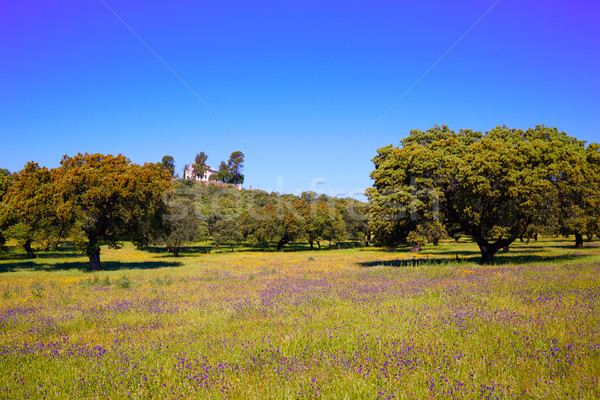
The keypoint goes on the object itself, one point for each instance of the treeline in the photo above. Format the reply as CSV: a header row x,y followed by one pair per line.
x,y
94,200
228,216
494,187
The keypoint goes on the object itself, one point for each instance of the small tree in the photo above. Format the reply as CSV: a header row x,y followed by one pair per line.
x,y
199,166
29,209
181,225
236,164
316,217
168,163
335,228
227,232
224,174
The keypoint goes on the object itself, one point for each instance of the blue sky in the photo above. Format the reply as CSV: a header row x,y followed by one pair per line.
x,y
294,85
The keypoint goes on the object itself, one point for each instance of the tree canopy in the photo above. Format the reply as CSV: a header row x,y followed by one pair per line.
x,y
236,164
28,213
107,199
168,163
490,186
200,166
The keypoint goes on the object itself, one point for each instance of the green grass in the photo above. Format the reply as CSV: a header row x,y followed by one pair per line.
x,y
353,323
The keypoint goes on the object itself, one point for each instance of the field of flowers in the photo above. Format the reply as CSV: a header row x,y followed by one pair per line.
x,y
360,323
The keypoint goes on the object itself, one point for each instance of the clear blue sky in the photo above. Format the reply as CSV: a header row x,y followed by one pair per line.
x,y
299,82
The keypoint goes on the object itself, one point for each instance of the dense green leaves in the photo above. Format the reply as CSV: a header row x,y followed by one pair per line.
x,y
492,187
107,199
257,217
231,172
236,164
168,163
199,166
28,212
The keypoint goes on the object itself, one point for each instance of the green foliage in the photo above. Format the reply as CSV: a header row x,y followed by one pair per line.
x,y
236,164
6,179
262,218
95,281
168,163
227,232
164,280
200,167
231,172
579,193
106,199
491,187
28,211
224,175
181,224
123,282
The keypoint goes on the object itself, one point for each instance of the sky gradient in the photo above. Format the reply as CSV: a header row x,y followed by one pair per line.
x,y
294,85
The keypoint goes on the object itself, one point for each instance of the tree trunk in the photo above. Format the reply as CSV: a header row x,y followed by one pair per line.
x,y
521,238
28,249
590,237
94,256
175,251
528,239
535,237
217,245
169,248
489,250
232,248
578,240
319,244
506,249
311,244
282,243
456,239
339,245
436,242
416,247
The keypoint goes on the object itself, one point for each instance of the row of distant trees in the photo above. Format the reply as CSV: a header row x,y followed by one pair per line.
x,y
95,199
494,187
228,216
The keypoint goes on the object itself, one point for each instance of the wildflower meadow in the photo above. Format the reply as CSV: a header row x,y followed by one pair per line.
x,y
355,323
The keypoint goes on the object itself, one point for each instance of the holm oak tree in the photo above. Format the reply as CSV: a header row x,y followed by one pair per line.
x,y
107,199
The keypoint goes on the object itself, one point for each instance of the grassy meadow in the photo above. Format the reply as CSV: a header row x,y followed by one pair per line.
x,y
352,323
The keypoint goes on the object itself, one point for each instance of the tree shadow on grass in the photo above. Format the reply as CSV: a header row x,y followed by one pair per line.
x,y
183,250
498,260
250,248
84,266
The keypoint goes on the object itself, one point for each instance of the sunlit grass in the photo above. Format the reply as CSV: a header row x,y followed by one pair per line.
x,y
354,323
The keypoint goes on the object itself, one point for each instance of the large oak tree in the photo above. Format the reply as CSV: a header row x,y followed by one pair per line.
x,y
491,186
107,199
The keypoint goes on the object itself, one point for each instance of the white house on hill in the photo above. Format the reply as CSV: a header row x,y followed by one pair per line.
x,y
188,173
